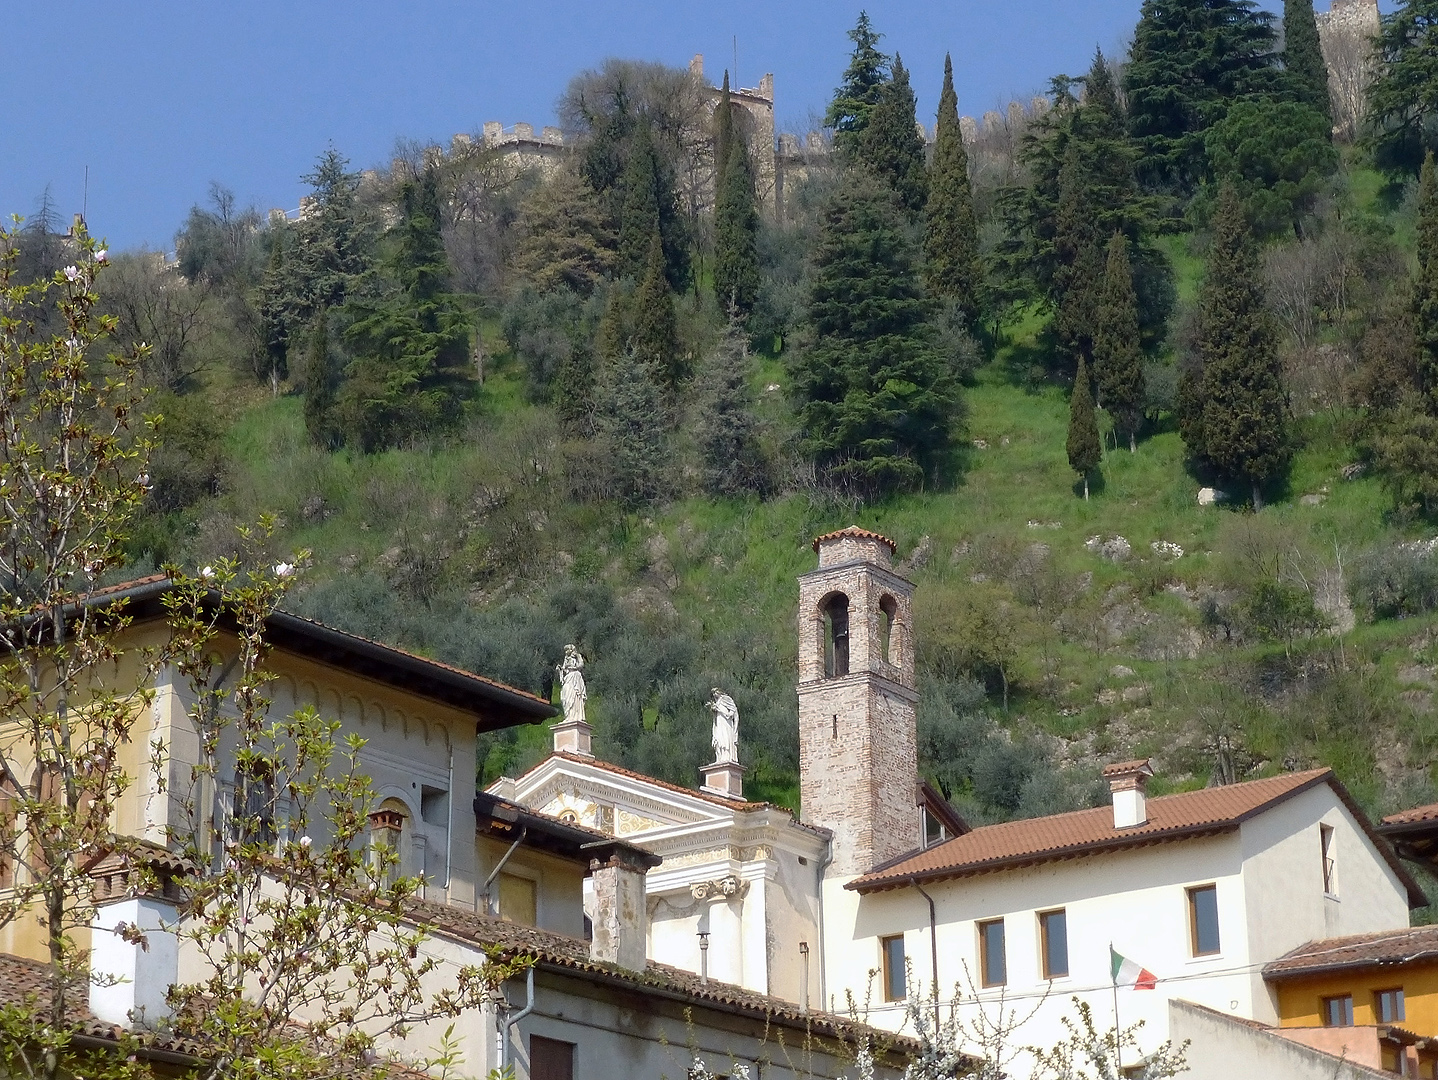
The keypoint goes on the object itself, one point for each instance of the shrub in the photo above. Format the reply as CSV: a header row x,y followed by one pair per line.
x,y
1397,581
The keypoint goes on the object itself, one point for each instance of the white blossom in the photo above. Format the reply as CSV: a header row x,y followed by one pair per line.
x,y
305,842
284,570
72,273
207,573
102,255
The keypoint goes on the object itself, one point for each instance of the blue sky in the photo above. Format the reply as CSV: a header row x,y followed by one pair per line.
x,y
160,98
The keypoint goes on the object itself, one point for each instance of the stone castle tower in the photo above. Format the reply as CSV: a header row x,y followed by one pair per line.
x,y
858,756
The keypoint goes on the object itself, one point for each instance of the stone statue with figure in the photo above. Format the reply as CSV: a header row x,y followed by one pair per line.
x,y
572,693
726,728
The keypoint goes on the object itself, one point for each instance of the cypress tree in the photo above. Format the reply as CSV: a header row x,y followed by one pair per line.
x,y
321,381
878,407
1083,447
1079,260
951,240
1244,426
655,334
639,214
633,430
276,314
890,143
864,79
1303,57
723,131
1117,356
1425,287
725,427
736,221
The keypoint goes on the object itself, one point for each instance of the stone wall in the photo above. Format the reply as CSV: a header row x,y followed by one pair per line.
x,y
754,108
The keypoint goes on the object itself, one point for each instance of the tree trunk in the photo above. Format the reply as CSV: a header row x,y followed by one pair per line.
x,y
1132,442
1257,498
1085,487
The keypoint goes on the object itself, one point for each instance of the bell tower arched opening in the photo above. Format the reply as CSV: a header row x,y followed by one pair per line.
x,y
835,609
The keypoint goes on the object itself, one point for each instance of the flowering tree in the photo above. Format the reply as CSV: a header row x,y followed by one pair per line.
x,y
313,953
73,447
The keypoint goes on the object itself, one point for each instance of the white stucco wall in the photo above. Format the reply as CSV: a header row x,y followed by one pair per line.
x,y
1136,900
1283,872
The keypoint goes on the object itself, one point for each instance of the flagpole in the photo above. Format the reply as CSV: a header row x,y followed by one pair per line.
x,y
1117,1030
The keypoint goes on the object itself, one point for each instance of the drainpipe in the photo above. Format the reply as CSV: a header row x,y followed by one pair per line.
x,y
514,1020
523,832
804,976
933,945
449,824
823,973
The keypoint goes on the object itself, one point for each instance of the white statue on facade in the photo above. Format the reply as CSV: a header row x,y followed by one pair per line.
x,y
726,728
572,693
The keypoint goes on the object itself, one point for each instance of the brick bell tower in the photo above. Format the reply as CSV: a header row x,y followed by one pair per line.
x,y
858,755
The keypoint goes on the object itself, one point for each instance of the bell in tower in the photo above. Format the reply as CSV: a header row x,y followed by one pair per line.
x,y
858,756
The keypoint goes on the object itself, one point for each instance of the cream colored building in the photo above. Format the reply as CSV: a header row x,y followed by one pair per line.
x,y
495,874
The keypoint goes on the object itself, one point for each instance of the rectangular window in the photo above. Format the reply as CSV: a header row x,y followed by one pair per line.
x,y
1388,1006
1054,935
1325,841
517,900
550,1059
993,962
934,831
895,978
1338,1011
1203,920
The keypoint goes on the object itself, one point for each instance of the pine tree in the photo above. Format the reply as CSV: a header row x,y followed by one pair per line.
x,y
877,406
1303,57
1425,286
736,216
863,85
1083,447
321,381
951,242
574,389
1117,355
1244,427
639,215
411,344
890,143
725,427
1189,59
655,330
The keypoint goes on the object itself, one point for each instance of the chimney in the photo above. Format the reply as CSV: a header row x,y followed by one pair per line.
x,y
621,914
129,980
1128,780
573,737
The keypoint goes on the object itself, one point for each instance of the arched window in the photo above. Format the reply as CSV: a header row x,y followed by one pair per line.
x,y
836,635
888,615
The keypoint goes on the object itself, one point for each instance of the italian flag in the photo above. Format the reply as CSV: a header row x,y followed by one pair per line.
x,y
1131,976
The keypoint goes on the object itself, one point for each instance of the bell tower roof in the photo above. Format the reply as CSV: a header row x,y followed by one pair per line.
x,y
856,533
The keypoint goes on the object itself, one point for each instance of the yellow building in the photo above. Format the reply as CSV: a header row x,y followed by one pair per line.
x,y
1371,997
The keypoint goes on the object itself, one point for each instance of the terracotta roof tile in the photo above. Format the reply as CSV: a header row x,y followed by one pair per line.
x,y
1089,832
857,533
1416,816
1383,949
561,951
